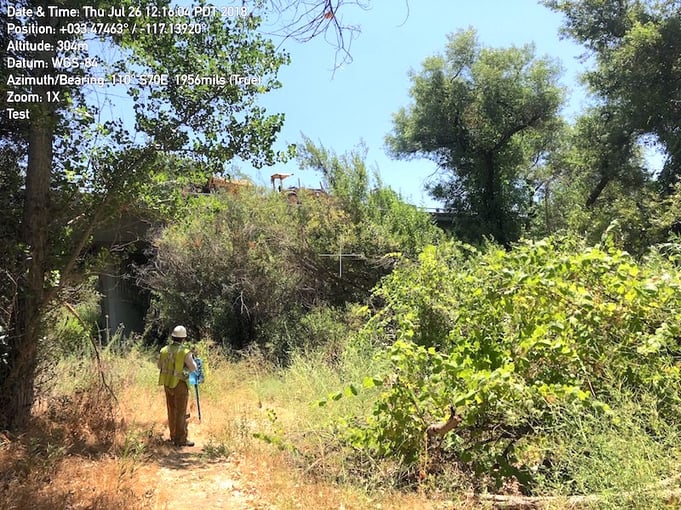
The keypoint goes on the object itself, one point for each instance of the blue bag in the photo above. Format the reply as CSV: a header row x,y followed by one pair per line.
x,y
196,377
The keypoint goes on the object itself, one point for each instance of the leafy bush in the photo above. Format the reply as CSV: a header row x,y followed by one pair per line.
x,y
71,329
382,222
248,267
224,266
510,338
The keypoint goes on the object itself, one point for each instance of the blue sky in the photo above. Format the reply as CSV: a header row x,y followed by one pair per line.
x,y
358,100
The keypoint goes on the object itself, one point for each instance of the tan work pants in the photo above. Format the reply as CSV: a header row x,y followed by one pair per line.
x,y
176,402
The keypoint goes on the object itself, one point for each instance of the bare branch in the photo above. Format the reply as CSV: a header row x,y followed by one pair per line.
x,y
304,20
440,429
95,348
406,4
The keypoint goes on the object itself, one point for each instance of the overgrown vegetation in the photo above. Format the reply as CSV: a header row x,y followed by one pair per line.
x,y
551,336
254,267
345,335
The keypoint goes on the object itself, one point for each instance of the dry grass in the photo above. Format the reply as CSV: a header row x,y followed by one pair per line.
x,y
88,450
292,488
85,451
67,457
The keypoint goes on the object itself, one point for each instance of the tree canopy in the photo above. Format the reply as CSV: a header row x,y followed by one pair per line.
x,y
485,116
83,165
636,45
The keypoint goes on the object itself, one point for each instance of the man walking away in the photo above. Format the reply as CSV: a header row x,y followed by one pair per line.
x,y
176,362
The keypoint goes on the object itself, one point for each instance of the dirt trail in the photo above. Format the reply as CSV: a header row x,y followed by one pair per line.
x,y
181,478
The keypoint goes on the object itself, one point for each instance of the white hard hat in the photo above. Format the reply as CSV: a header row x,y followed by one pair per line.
x,y
180,332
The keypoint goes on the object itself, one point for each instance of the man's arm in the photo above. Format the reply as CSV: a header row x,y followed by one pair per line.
x,y
189,362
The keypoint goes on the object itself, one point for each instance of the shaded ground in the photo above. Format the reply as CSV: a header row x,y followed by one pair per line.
x,y
180,478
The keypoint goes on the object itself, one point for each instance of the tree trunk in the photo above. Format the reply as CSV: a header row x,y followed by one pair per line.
x,y
16,390
596,192
493,212
17,384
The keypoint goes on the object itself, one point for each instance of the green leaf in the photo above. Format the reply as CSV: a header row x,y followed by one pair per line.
x,y
370,382
351,390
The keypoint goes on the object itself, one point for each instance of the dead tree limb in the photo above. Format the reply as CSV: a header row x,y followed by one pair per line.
x,y
440,429
100,368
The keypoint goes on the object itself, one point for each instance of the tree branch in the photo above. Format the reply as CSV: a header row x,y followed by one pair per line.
x,y
440,429
100,369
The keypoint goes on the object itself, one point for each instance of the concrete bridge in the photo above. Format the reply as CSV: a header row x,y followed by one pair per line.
x,y
124,304
444,218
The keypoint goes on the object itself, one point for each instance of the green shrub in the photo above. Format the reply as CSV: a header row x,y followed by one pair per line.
x,y
511,338
250,267
72,326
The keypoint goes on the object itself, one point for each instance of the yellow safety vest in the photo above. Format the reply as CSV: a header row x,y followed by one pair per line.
x,y
172,365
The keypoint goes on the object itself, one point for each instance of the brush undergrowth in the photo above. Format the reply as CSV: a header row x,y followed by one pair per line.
x,y
623,462
71,453
253,409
